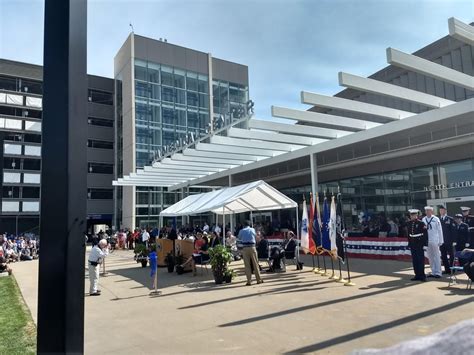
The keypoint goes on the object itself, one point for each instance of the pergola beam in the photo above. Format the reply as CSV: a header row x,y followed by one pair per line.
x,y
198,164
236,150
461,31
298,129
172,168
322,119
398,92
273,137
257,144
431,69
340,103
179,157
199,153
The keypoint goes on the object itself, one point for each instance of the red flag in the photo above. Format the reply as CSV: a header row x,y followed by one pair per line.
x,y
312,245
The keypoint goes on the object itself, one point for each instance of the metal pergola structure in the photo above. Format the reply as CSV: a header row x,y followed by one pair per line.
x,y
265,143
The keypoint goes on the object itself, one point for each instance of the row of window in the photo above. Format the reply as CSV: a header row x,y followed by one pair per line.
x,y
22,85
22,137
21,178
102,122
93,143
100,97
21,100
100,194
21,149
167,76
21,164
171,95
20,192
20,206
20,112
100,168
19,125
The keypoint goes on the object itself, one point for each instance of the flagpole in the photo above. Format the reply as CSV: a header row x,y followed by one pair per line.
x,y
340,279
325,272
155,291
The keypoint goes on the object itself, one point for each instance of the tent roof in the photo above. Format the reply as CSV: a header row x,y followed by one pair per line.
x,y
255,196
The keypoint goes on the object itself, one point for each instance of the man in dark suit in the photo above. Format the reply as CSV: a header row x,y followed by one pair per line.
x,y
448,225
417,241
262,246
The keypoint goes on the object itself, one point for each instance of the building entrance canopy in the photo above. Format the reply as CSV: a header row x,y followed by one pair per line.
x,y
255,196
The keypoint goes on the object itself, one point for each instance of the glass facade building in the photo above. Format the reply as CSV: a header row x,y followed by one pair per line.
x,y
391,194
166,92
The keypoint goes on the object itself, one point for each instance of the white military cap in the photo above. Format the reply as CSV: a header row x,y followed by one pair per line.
x,y
413,211
428,208
464,209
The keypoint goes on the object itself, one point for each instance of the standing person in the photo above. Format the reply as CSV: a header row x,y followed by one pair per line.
x,y
206,227
448,225
435,240
96,257
249,253
417,240
469,220
145,237
217,230
461,233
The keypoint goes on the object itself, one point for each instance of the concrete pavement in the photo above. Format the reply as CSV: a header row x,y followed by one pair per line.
x,y
290,312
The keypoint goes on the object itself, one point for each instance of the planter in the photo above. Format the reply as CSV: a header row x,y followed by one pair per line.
x,y
144,262
228,279
170,268
218,278
179,269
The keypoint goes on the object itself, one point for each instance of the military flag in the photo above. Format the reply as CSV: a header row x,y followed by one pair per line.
x,y
326,241
333,228
304,229
312,244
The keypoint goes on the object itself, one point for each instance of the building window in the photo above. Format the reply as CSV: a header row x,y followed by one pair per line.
x,y
31,164
100,122
30,192
32,138
30,206
11,192
13,178
8,83
11,163
100,194
91,143
33,126
32,150
32,86
31,178
100,168
10,206
100,97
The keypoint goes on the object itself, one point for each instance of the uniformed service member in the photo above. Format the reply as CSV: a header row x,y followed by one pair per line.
x,y
469,220
435,240
417,240
461,233
96,257
448,225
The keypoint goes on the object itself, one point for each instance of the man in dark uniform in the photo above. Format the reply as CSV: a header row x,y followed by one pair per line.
x,y
461,233
417,240
448,225
469,220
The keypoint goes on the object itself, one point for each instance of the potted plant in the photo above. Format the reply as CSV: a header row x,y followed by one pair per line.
x,y
220,258
229,275
141,254
170,262
179,259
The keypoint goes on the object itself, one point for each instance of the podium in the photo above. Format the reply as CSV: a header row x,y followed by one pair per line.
x,y
163,246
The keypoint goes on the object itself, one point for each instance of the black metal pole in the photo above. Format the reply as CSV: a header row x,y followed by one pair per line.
x,y
63,179
332,267
324,264
349,282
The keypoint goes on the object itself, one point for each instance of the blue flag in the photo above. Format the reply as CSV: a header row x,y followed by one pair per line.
x,y
326,241
316,226
153,263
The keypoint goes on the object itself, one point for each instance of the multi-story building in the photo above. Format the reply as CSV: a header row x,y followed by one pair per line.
x,y
163,93
21,93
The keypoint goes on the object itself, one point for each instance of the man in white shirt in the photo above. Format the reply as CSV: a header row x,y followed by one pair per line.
x,y
96,257
217,230
435,240
145,237
206,227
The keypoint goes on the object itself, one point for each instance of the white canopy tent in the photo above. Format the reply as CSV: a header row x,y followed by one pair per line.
x,y
254,196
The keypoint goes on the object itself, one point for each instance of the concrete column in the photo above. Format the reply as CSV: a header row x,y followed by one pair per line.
x,y
232,216
314,174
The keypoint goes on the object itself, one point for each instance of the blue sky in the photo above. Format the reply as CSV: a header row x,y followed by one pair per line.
x,y
289,46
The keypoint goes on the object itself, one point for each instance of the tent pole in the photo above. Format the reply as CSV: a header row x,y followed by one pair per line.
x,y
223,227
297,237
251,219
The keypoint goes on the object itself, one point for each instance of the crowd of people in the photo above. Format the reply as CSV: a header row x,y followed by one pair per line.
x,y
17,248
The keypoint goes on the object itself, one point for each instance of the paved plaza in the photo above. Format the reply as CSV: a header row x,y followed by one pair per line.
x,y
296,311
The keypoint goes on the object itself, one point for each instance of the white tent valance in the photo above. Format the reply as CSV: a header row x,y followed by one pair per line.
x,y
255,196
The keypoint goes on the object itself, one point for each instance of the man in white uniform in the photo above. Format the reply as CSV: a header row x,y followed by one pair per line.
x,y
145,237
435,240
96,256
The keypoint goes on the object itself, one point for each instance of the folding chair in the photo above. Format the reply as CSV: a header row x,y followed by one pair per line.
x,y
453,280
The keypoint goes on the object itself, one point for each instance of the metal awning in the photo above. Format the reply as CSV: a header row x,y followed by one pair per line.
x,y
265,143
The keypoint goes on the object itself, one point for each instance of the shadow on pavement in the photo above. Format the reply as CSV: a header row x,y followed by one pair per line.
x,y
378,328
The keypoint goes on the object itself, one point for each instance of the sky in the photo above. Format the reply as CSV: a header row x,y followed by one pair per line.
x,y
289,46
